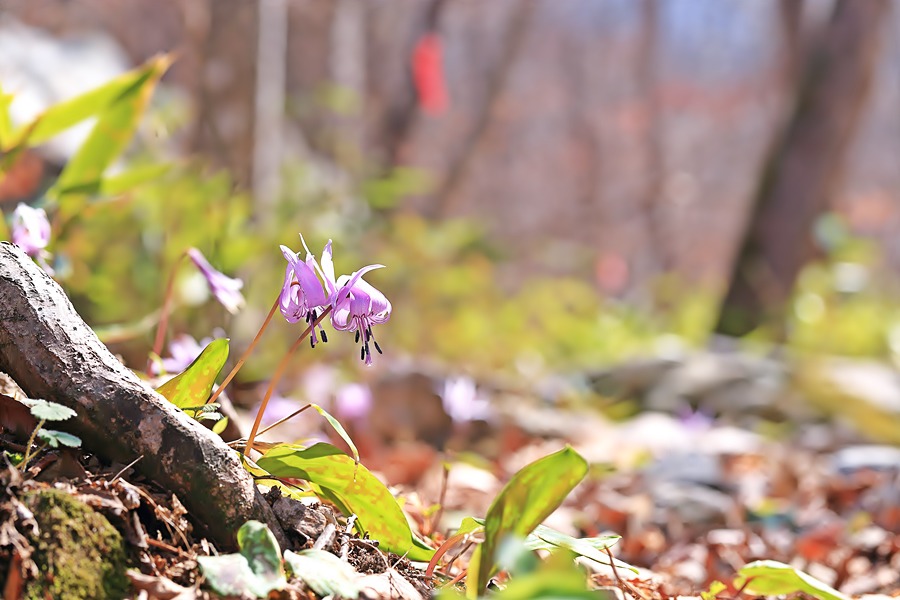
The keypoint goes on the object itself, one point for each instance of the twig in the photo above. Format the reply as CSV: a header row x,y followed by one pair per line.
x,y
167,547
622,583
164,313
326,538
280,421
345,545
436,521
125,468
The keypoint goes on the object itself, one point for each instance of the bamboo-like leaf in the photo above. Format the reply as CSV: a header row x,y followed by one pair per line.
x,y
377,511
529,498
118,184
193,386
112,133
67,113
6,127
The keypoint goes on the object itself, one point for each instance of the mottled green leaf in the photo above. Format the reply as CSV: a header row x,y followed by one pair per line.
x,y
377,511
256,570
57,438
773,578
530,497
112,133
324,573
193,386
48,411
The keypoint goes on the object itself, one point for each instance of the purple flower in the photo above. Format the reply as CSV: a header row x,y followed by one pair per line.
x,y
30,229
226,290
302,293
356,304
353,402
463,402
183,349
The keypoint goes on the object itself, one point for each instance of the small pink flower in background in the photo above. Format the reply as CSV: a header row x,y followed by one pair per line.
x,y
463,402
357,304
302,294
226,290
183,350
278,408
30,229
353,402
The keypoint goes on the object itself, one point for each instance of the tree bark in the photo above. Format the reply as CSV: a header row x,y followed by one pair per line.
x,y
804,168
52,354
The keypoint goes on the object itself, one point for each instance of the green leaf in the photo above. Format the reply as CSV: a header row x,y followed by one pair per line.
x,y
220,426
118,184
57,438
530,497
773,578
336,425
360,492
112,133
49,411
715,588
324,573
67,113
545,538
193,386
256,570
557,579
6,127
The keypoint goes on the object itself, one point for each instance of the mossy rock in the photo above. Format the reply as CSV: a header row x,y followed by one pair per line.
x,y
79,554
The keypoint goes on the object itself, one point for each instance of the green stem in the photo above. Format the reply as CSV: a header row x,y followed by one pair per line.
x,y
246,354
164,314
28,455
276,377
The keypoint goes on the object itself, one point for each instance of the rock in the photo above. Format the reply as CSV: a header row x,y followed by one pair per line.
x,y
406,408
693,505
632,379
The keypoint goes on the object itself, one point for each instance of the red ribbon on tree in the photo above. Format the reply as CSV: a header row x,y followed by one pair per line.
x,y
428,75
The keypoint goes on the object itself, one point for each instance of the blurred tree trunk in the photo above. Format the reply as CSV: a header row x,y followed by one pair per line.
x,y
804,168
647,69
446,197
791,22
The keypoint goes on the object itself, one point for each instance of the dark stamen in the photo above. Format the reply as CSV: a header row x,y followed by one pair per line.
x,y
312,342
357,337
377,347
362,353
324,337
368,353
368,335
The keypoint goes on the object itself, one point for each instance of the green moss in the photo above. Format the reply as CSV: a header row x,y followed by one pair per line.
x,y
79,554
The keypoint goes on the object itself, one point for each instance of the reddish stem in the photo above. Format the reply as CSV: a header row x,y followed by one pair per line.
x,y
276,377
164,314
246,354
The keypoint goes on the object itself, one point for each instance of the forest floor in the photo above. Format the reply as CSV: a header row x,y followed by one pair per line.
x,y
694,497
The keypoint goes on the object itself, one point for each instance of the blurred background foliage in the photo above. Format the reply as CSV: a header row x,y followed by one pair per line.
x,y
471,291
